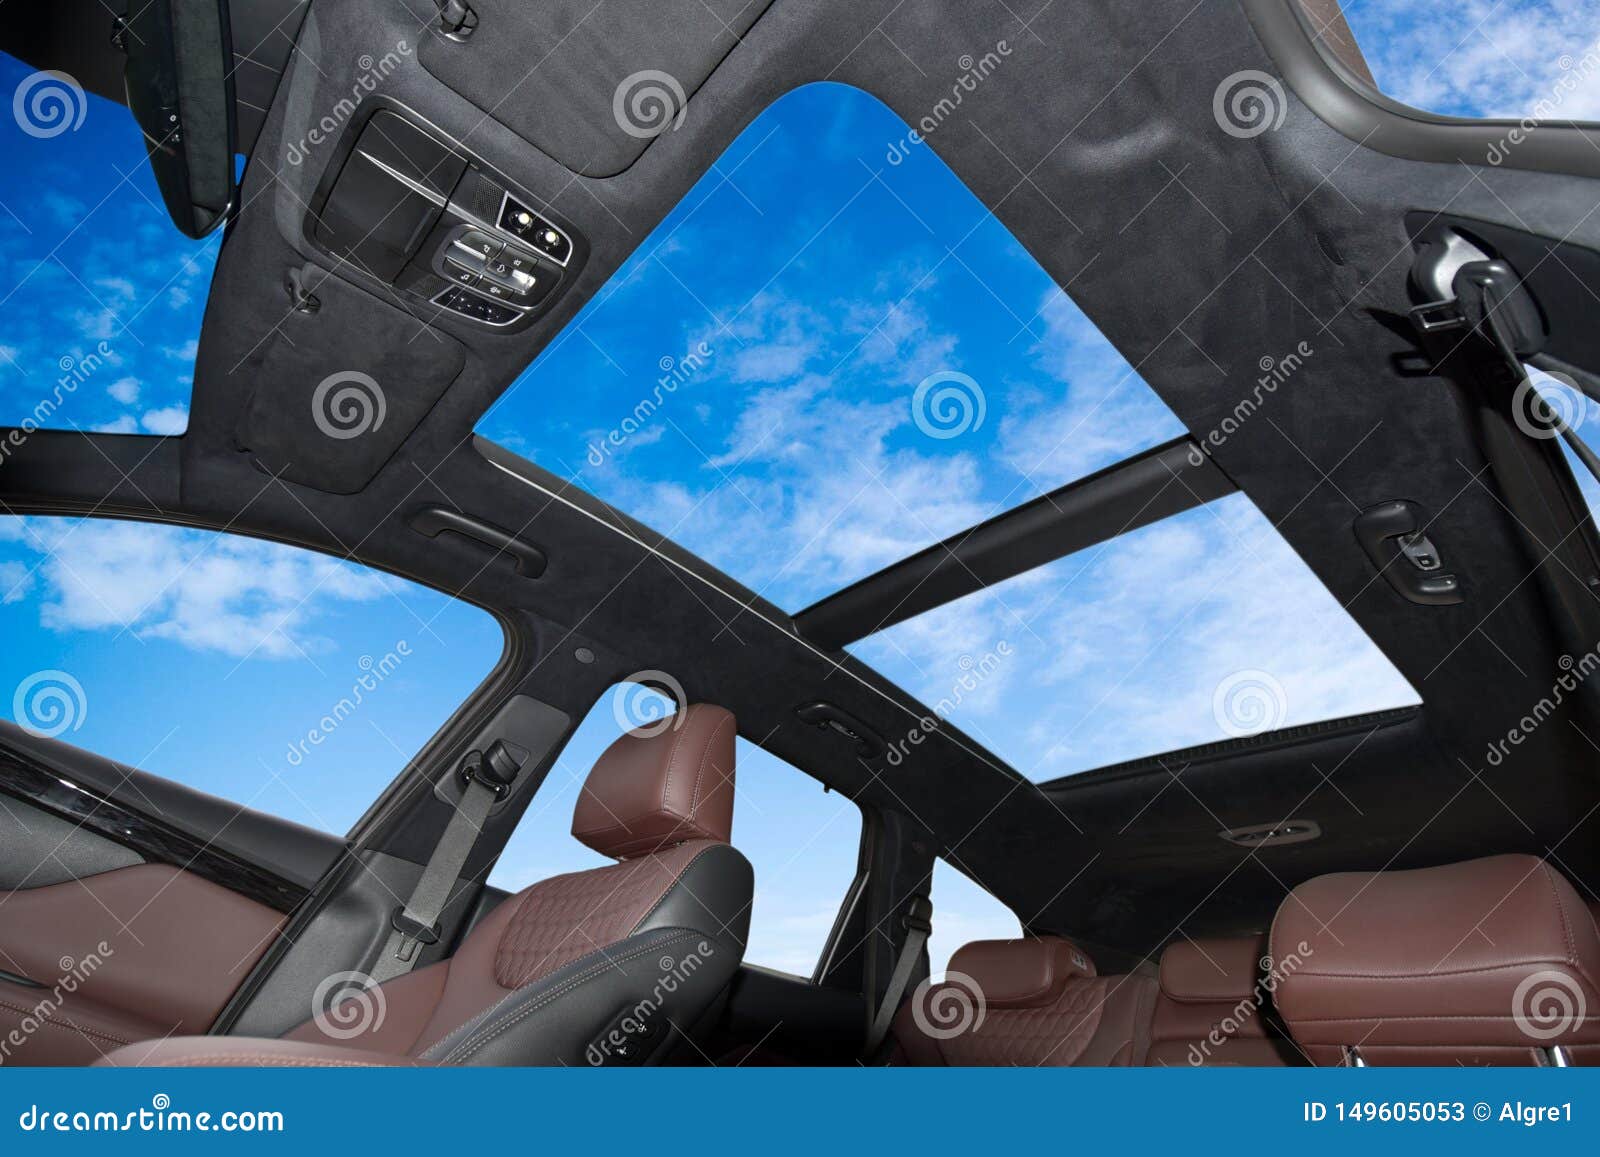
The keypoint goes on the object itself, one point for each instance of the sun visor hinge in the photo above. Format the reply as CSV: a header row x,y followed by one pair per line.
x,y
457,20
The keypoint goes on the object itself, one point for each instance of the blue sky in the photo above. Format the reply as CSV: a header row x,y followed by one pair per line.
x,y
1482,58
781,322
97,288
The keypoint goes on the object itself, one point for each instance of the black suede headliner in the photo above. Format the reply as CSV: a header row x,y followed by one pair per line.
x,y
1197,253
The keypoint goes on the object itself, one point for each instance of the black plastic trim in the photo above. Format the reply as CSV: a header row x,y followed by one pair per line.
x,y
1136,492
1166,761
156,841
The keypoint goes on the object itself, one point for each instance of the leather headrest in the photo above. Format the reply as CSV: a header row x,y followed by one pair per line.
x,y
1497,953
649,791
1221,969
1021,973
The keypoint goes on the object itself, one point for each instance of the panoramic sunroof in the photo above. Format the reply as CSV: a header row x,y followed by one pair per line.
x,y
103,297
1201,628
827,357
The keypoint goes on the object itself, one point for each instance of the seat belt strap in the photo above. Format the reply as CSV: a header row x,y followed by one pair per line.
x,y
919,926
488,776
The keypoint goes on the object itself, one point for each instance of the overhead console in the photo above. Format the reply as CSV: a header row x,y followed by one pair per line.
x,y
422,214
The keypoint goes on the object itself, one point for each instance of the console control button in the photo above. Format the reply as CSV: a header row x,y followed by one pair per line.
x,y
475,307
463,265
480,243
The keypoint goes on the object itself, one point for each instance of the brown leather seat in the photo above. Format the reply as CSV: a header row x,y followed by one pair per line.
x,y
1035,1002
1215,1006
1492,961
548,975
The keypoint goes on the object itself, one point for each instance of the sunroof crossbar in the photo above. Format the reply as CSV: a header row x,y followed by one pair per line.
x,y
1135,492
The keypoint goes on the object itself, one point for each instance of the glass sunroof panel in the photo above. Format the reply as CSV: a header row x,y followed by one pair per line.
x,y
827,357
1200,628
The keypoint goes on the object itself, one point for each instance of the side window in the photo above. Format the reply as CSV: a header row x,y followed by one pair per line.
x,y
962,911
1559,396
282,679
802,842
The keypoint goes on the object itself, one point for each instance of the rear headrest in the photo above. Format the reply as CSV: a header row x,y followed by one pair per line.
x,y
1492,954
1021,973
649,791
1222,969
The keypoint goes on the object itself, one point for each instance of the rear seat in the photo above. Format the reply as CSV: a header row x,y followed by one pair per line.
x,y
1215,1006
1443,965
1026,1002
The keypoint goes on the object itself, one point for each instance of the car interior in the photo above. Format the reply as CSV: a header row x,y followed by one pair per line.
x,y
429,195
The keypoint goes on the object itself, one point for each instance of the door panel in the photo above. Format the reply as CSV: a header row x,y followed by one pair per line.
x,y
40,848
132,949
131,907
275,859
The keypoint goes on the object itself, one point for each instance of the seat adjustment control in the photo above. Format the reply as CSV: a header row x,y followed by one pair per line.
x,y
629,1039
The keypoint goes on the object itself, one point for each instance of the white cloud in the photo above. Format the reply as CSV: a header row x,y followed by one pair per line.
x,y
126,424
1105,413
1495,58
16,580
168,420
1119,650
124,390
206,591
